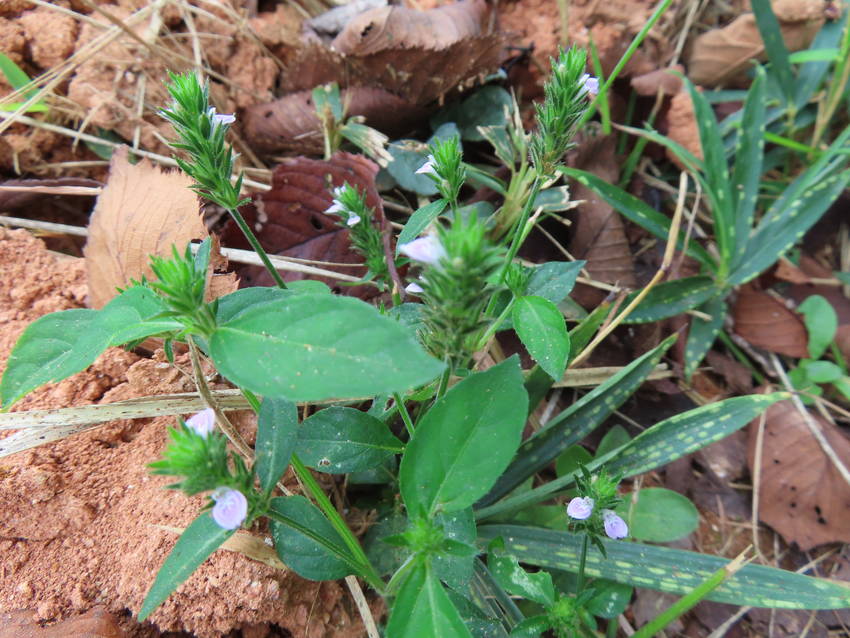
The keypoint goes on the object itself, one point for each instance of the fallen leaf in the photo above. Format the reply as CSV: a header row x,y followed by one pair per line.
x,y
599,235
721,56
787,271
291,124
682,126
290,219
142,211
662,80
785,623
802,495
765,322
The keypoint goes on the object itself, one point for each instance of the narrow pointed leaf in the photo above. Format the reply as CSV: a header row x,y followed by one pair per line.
x,y
195,544
669,570
774,45
422,608
419,221
703,333
672,298
574,423
310,347
277,429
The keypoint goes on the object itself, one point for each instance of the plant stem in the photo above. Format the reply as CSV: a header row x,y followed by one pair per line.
x,y
255,245
324,504
405,415
581,563
491,329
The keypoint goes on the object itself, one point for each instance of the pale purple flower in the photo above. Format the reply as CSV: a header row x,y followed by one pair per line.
x,y
203,423
218,119
589,83
428,168
353,219
413,288
580,508
615,526
230,509
426,249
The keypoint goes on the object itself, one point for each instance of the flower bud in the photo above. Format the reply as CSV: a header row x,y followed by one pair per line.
x,y
203,423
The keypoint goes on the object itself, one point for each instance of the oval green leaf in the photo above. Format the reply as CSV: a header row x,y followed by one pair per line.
x,y
659,515
312,347
543,331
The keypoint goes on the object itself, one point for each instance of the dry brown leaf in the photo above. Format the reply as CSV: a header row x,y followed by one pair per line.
x,y
291,124
650,83
290,220
393,28
787,271
141,211
802,496
599,235
682,126
722,55
765,322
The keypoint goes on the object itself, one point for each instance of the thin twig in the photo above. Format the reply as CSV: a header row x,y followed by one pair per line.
x,y
362,606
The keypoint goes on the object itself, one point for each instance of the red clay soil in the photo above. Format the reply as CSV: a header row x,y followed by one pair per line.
x,y
78,529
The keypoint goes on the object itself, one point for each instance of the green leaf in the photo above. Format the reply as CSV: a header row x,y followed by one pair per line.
x,y
454,570
195,544
637,211
489,106
422,608
531,627
419,221
386,558
409,155
571,459
543,331
774,45
309,545
749,157
581,334
553,200
480,625
501,141
659,515
576,422
339,440
18,79
614,439
610,599
703,333
670,570
515,580
311,347
233,305
277,429
60,344
719,191
465,441
662,443
821,323
672,298
822,371
554,280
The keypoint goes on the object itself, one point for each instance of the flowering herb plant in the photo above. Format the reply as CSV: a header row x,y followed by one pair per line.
x,y
446,437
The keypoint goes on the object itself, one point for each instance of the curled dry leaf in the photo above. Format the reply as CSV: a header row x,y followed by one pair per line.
x,y
802,495
722,55
682,126
662,80
290,218
765,322
141,211
291,124
599,235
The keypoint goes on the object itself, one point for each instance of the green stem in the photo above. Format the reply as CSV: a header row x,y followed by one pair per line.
x,y
324,504
687,601
405,415
491,330
444,382
519,232
255,245
582,560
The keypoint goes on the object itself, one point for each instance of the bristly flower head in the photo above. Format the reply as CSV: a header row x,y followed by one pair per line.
x,y
445,168
230,509
202,423
563,105
592,511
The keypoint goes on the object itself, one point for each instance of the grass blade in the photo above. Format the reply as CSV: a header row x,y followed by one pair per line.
x,y
672,298
669,570
703,333
774,45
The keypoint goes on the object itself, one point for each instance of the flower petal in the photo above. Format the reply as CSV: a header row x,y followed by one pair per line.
x,y
230,509
202,423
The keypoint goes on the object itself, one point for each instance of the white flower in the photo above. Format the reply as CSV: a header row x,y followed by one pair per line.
x,y
589,83
230,509
413,288
220,118
353,219
615,527
428,167
338,191
426,249
335,208
203,423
